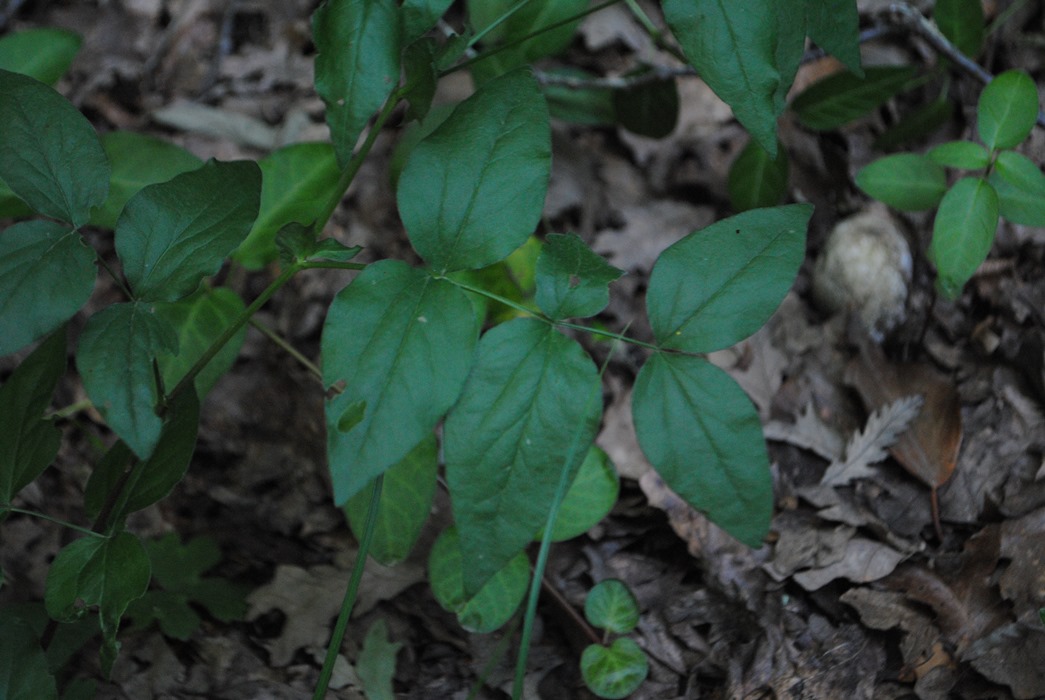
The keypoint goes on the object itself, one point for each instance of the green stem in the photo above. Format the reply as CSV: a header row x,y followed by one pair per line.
x,y
546,543
497,22
11,509
350,592
654,32
70,410
608,334
112,273
498,298
352,168
537,32
331,265
288,348
225,337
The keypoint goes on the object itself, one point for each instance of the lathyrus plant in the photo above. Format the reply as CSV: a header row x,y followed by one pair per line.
x,y
404,349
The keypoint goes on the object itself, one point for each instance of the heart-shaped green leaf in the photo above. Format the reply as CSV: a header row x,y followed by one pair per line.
x,y
615,671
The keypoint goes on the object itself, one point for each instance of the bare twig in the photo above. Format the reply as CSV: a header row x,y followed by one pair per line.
x,y
615,82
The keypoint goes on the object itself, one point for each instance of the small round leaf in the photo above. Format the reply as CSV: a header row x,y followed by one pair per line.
x,y
1007,109
611,606
615,671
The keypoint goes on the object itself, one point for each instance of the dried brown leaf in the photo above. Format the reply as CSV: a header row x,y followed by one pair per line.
x,y
870,445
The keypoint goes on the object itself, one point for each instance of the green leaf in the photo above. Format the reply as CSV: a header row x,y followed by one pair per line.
x,y
406,500
572,281
525,20
11,207
834,25
107,572
416,17
138,160
905,181
170,611
719,285
357,64
1021,189
592,107
495,602
590,498
376,665
160,473
172,234
46,274
199,320
23,667
615,671
611,606
44,53
28,442
916,125
510,435
756,179
400,343
1007,109
422,77
963,233
744,53
297,243
297,180
703,436
844,97
965,155
961,21
473,189
115,359
50,156
650,109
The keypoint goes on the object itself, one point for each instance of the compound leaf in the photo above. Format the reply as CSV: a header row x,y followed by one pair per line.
x,y
43,53
743,53
472,190
46,274
905,181
115,359
297,180
493,604
509,437
357,64
138,160
703,436
843,97
28,442
172,234
400,344
1021,189
50,156
572,280
719,285
963,233
1007,109
406,500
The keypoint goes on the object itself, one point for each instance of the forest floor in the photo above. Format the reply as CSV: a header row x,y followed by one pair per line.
x,y
856,594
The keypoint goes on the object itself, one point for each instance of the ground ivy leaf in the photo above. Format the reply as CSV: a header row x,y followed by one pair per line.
x,y
46,274
719,285
963,233
472,191
703,436
406,500
172,234
297,180
28,443
572,280
137,161
510,435
357,64
114,358
495,602
743,54
49,154
400,343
